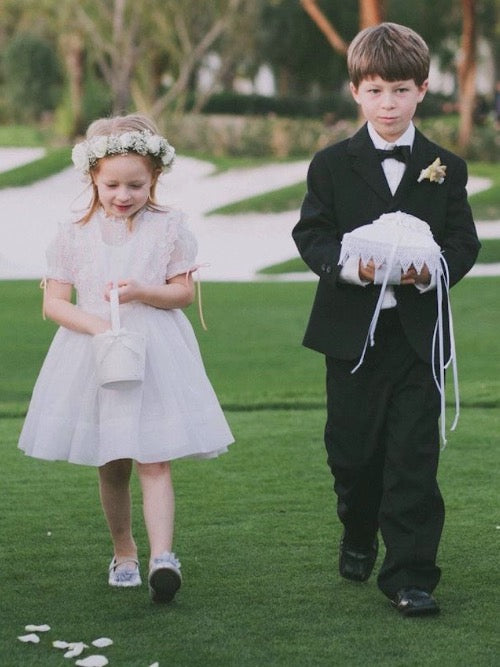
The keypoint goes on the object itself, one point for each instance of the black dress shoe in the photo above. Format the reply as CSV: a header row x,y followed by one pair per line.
x,y
355,564
415,602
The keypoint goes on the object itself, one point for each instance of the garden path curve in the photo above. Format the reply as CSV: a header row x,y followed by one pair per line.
x,y
235,247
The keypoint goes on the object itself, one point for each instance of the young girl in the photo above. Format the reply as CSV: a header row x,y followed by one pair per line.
x,y
128,242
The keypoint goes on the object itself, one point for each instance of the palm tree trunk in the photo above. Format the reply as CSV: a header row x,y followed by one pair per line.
x,y
467,73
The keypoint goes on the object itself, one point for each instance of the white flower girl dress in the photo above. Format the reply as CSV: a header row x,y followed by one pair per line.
x,y
174,412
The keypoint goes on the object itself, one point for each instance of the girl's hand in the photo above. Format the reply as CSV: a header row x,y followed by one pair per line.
x,y
128,290
177,292
59,308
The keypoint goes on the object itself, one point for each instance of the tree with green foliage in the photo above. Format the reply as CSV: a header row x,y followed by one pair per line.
x,y
32,77
302,59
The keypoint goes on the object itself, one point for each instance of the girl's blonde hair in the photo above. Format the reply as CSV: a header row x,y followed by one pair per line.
x,y
117,125
391,51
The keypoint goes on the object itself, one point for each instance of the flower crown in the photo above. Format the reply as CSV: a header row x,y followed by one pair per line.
x,y
86,153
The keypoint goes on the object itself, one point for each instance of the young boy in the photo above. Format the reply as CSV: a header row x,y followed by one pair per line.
x,y
381,435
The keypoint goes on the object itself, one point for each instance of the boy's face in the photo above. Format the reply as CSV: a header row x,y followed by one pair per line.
x,y
389,105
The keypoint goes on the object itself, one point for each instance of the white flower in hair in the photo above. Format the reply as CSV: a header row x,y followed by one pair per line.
x,y
86,154
80,158
99,147
113,147
169,156
126,140
153,144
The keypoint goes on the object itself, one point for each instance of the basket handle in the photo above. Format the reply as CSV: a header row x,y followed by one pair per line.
x,y
115,311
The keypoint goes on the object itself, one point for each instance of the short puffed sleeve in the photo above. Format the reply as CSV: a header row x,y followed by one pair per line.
x,y
185,247
60,255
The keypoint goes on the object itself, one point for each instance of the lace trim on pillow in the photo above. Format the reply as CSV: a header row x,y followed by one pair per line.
x,y
380,252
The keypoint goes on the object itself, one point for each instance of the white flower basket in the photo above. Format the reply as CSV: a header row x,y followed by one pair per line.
x,y
120,355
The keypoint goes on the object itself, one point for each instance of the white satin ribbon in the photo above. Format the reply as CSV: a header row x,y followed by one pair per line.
x,y
437,340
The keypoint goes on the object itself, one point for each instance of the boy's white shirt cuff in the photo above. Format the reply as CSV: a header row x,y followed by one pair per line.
x,y
349,273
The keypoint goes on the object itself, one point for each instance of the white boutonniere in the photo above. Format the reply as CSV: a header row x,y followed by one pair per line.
x,y
435,172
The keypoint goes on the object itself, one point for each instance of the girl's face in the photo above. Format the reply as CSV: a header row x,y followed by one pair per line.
x,y
123,184
389,105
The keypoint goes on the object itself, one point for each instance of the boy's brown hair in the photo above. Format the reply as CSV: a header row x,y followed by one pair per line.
x,y
391,51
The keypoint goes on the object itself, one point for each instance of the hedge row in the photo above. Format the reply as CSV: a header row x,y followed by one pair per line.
x,y
337,105
277,137
255,136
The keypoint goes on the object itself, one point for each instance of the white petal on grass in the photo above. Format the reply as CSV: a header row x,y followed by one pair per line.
x,y
29,639
154,664
75,649
92,661
102,642
37,628
58,643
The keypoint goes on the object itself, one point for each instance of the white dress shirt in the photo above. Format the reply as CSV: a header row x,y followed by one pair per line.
x,y
393,170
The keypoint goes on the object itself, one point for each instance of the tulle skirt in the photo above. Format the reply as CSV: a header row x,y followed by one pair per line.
x,y
173,413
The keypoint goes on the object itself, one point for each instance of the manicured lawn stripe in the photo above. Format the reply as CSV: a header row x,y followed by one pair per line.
x,y
257,535
252,349
53,162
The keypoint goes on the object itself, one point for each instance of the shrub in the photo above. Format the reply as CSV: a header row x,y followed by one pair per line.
x,y
253,136
32,77
276,137
337,105
484,144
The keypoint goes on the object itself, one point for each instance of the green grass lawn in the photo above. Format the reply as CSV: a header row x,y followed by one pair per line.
x,y
486,204
258,540
256,529
19,136
261,322
490,251
55,160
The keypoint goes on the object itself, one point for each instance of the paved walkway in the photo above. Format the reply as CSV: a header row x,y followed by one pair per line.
x,y
235,247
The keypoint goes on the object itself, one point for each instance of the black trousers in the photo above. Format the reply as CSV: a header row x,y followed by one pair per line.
x,y
382,441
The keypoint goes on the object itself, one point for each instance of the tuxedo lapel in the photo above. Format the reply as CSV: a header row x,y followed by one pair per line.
x,y
366,163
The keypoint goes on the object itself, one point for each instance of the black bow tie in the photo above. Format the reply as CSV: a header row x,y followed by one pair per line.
x,y
401,153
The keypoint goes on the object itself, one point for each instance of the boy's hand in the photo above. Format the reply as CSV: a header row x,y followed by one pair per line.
x,y
411,277
367,271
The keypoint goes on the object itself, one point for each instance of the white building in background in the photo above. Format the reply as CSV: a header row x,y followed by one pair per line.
x,y
262,84
445,82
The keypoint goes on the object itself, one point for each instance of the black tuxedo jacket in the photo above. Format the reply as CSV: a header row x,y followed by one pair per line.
x,y
347,188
